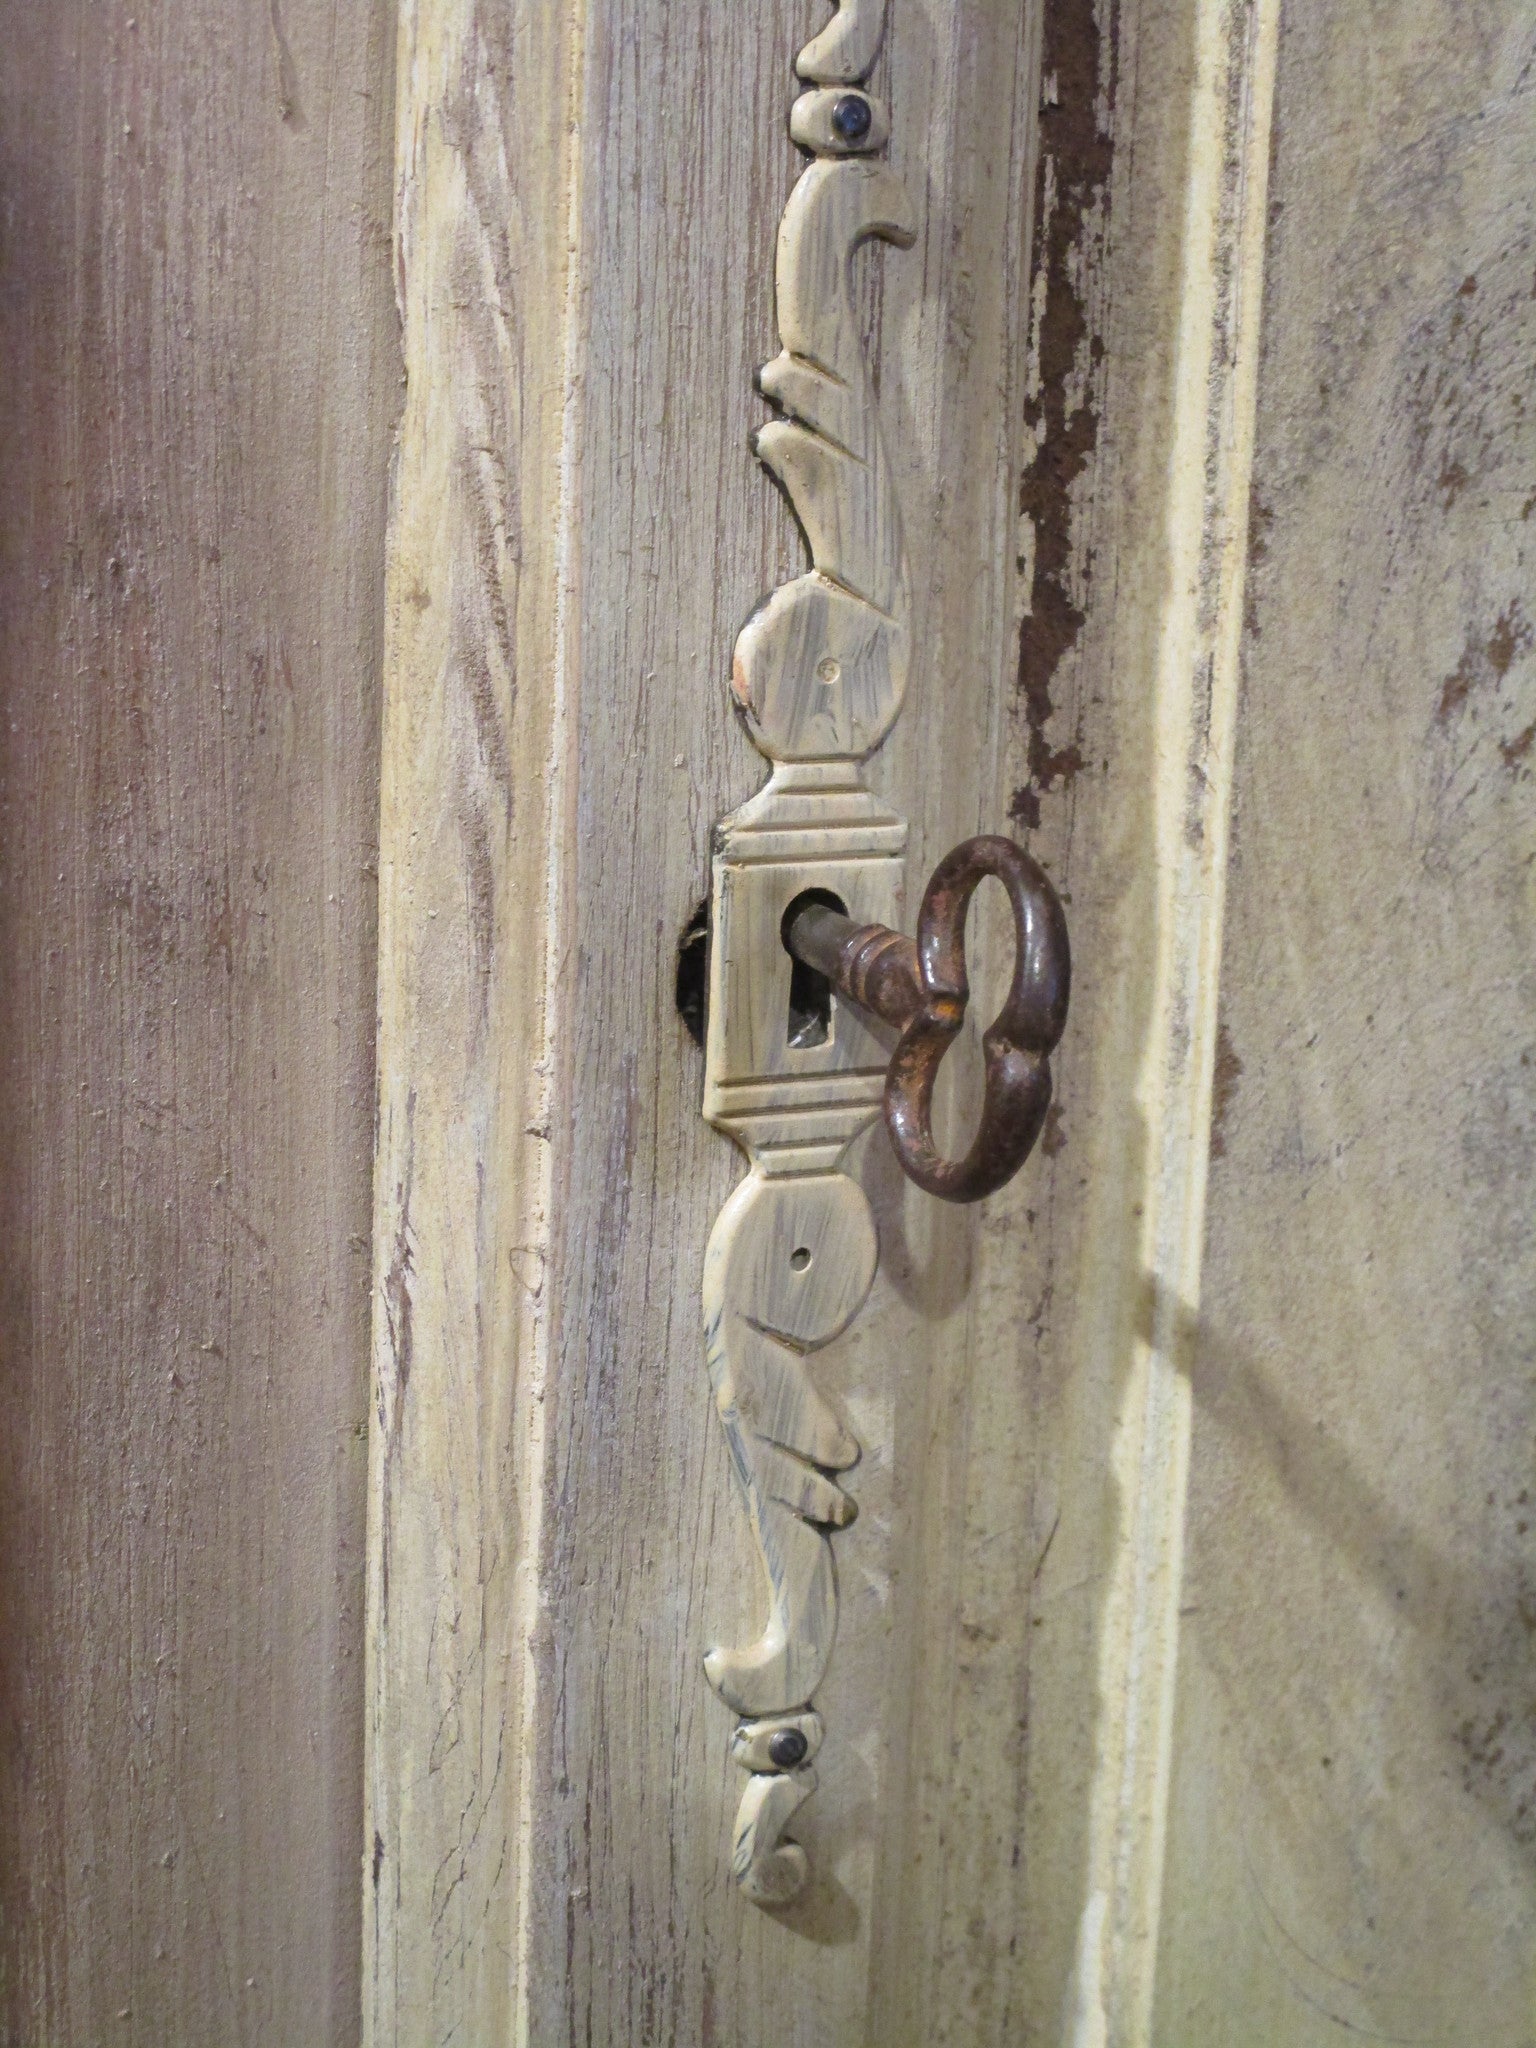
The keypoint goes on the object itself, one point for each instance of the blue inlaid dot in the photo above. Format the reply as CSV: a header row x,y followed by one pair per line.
x,y
851,117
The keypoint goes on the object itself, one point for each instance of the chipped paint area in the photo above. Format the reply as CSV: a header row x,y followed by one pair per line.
x,y
1064,375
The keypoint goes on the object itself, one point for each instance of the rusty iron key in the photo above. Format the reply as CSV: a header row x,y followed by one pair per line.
x,y
921,988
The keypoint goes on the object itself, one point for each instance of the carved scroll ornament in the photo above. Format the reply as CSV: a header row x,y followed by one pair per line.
x,y
819,675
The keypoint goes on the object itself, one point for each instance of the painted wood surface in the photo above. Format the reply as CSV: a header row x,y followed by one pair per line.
x,y
585,252
1344,1849
200,376
202,379
477,826
1353,1837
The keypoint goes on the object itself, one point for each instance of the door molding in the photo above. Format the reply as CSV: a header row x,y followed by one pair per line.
x,y
1192,628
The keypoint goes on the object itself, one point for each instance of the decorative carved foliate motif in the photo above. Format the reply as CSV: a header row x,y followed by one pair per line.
x,y
819,675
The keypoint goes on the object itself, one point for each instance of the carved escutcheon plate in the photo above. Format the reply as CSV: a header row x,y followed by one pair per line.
x,y
819,675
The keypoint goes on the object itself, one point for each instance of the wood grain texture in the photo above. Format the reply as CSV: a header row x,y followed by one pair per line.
x,y
589,203
200,376
1190,630
1148,255
1354,1825
475,833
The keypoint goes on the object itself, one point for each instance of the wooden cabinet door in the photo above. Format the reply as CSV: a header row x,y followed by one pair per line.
x,y
1180,1691
367,727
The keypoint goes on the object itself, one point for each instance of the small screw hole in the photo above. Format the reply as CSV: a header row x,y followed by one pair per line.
x,y
851,117
800,1258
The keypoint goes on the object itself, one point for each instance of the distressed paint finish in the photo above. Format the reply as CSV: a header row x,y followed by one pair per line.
x,y
1356,1380
990,1367
551,1784
201,380
201,375
987,1852
1353,1849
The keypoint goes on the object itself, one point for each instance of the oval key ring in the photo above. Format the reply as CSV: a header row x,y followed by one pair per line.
x,y
1017,1043
924,989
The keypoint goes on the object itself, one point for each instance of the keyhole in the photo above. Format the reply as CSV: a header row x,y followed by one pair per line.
x,y
693,972
810,992
800,1258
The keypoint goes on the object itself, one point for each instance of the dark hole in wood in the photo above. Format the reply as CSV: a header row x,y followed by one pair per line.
x,y
693,972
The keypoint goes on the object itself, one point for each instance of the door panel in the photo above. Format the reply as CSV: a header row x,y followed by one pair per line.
x,y
200,375
1354,1768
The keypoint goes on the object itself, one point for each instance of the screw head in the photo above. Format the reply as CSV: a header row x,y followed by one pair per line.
x,y
851,117
787,1748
